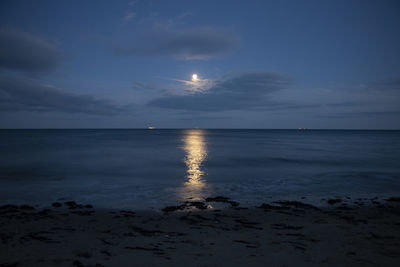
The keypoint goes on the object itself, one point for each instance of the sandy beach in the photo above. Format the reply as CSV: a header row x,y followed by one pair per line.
x,y
345,232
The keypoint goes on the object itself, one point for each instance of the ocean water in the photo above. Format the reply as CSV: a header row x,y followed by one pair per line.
x,y
144,169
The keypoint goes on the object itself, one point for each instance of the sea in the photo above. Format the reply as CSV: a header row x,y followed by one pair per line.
x,y
151,169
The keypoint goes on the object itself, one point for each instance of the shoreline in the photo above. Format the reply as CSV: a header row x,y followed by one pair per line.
x,y
280,233
315,200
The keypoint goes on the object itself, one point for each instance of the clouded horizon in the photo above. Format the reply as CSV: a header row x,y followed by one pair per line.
x,y
260,64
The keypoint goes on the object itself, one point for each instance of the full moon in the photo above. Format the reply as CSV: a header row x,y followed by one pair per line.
x,y
194,77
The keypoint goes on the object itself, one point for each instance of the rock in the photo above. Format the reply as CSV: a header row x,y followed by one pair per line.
x,y
296,204
26,207
393,199
197,204
173,208
334,201
74,205
71,204
217,199
56,204
266,207
223,200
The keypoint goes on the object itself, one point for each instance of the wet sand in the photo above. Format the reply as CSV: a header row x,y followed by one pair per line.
x,y
345,232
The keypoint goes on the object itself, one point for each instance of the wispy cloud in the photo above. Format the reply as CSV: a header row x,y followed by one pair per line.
x,y
244,90
187,44
360,114
22,94
392,83
156,36
132,3
200,85
129,15
27,52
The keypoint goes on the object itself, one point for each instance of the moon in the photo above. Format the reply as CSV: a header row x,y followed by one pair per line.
x,y
194,77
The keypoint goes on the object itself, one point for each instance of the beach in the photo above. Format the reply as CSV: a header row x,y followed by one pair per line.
x,y
214,232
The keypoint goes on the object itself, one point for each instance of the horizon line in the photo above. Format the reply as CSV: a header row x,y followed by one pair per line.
x,y
192,128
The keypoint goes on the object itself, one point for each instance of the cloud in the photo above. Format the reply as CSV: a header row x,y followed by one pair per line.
x,y
26,52
21,94
392,83
132,3
200,85
129,15
361,114
238,91
202,43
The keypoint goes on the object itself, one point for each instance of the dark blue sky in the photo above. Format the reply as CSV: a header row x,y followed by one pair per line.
x,y
261,64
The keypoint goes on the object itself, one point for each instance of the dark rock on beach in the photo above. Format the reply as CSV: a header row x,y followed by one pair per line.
x,y
187,204
173,208
333,201
56,204
393,199
267,207
74,205
222,200
297,204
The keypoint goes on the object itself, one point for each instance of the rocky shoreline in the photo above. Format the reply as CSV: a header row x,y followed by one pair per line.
x,y
345,232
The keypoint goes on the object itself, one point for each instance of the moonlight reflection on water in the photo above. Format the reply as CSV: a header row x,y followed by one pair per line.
x,y
196,153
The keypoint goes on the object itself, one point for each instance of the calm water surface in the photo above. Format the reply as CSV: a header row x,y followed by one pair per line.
x,y
153,168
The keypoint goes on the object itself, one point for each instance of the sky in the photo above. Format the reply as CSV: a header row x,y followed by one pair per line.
x,y
260,64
